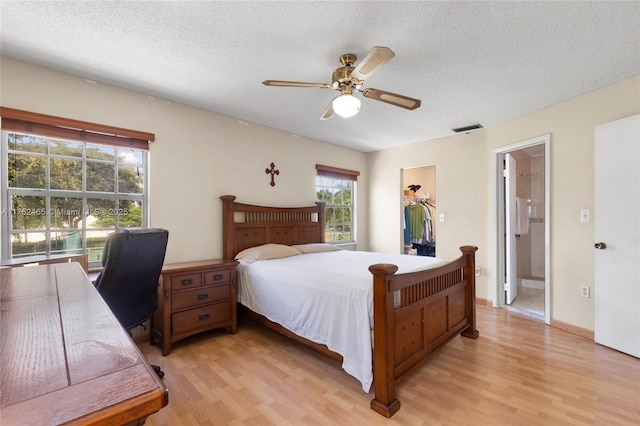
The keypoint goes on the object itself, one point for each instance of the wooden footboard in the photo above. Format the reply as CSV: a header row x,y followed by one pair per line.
x,y
415,314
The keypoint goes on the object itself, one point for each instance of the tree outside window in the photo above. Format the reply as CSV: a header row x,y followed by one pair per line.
x,y
336,187
65,197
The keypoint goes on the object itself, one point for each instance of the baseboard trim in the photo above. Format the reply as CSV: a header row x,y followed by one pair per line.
x,y
583,332
483,301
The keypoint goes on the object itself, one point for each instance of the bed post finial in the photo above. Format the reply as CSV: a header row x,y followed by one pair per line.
x,y
469,253
227,226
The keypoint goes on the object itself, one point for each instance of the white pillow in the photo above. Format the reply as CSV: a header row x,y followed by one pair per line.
x,y
266,251
316,247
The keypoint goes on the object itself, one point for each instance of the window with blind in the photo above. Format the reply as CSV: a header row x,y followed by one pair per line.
x,y
337,188
67,184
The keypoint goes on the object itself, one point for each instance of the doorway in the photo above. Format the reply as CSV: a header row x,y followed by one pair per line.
x,y
419,196
522,227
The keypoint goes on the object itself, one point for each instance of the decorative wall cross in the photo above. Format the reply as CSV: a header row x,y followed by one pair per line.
x,y
273,172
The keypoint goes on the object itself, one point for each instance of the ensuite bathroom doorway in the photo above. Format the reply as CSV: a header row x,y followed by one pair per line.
x,y
528,230
522,212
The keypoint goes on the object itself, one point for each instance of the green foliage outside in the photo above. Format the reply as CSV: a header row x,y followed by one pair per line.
x,y
27,168
338,210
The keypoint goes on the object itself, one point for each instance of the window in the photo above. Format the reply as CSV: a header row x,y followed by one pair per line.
x,y
64,195
337,187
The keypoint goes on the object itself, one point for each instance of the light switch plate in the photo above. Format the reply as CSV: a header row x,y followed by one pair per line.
x,y
584,216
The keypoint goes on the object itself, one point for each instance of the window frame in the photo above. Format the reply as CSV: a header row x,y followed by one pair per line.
x,y
74,131
339,175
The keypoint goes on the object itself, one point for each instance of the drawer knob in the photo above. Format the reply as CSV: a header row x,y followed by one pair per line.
x,y
217,277
203,296
203,317
188,281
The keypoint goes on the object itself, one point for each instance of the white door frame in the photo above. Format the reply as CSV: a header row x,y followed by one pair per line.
x,y
511,267
498,235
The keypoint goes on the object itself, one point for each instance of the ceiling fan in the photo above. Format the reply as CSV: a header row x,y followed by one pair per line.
x,y
348,79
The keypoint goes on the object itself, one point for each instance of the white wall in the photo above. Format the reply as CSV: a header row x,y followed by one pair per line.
x,y
464,188
197,156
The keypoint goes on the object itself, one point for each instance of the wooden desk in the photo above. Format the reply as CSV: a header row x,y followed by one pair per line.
x,y
64,356
47,259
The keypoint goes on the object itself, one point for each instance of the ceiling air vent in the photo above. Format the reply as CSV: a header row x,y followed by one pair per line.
x,y
467,129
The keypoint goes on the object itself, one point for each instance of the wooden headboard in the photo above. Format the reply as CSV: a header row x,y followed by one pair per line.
x,y
246,225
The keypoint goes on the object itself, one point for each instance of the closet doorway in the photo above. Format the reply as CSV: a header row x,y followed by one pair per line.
x,y
522,213
419,211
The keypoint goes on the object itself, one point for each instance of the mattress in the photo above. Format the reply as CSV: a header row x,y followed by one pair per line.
x,y
324,297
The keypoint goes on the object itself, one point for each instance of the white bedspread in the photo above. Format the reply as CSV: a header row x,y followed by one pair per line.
x,y
324,297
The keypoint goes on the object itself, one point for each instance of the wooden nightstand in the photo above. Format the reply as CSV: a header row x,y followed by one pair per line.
x,y
194,297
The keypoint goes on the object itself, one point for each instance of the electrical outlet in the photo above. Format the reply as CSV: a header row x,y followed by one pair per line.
x,y
477,271
585,291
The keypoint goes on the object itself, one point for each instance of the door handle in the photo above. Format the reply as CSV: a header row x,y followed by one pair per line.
x,y
600,246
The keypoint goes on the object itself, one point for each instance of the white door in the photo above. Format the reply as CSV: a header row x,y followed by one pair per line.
x,y
511,279
617,225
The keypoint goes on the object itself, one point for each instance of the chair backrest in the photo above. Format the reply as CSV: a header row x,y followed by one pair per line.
x,y
132,262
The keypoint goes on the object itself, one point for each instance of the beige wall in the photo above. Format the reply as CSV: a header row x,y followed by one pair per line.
x,y
197,156
571,125
465,193
462,189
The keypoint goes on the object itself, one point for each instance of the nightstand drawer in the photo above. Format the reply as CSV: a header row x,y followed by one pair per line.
x,y
201,317
200,296
184,282
217,277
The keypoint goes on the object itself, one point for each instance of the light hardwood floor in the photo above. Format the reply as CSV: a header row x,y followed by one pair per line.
x,y
518,372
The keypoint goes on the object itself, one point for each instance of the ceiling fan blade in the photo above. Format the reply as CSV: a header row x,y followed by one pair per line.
x,y
282,83
328,112
376,57
392,98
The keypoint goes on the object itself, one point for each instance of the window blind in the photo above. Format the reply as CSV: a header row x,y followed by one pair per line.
x,y
336,172
57,127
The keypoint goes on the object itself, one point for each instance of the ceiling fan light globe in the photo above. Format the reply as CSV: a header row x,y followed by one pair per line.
x,y
346,105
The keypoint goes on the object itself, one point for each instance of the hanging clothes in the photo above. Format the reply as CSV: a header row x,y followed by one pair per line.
x,y
428,225
407,226
417,218
419,228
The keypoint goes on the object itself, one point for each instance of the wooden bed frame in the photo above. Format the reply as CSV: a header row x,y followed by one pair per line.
x,y
434,306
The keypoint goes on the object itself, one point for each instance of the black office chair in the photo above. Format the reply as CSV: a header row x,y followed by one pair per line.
x,y
132,262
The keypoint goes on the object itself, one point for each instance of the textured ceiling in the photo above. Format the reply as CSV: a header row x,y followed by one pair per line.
x,y
469,62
